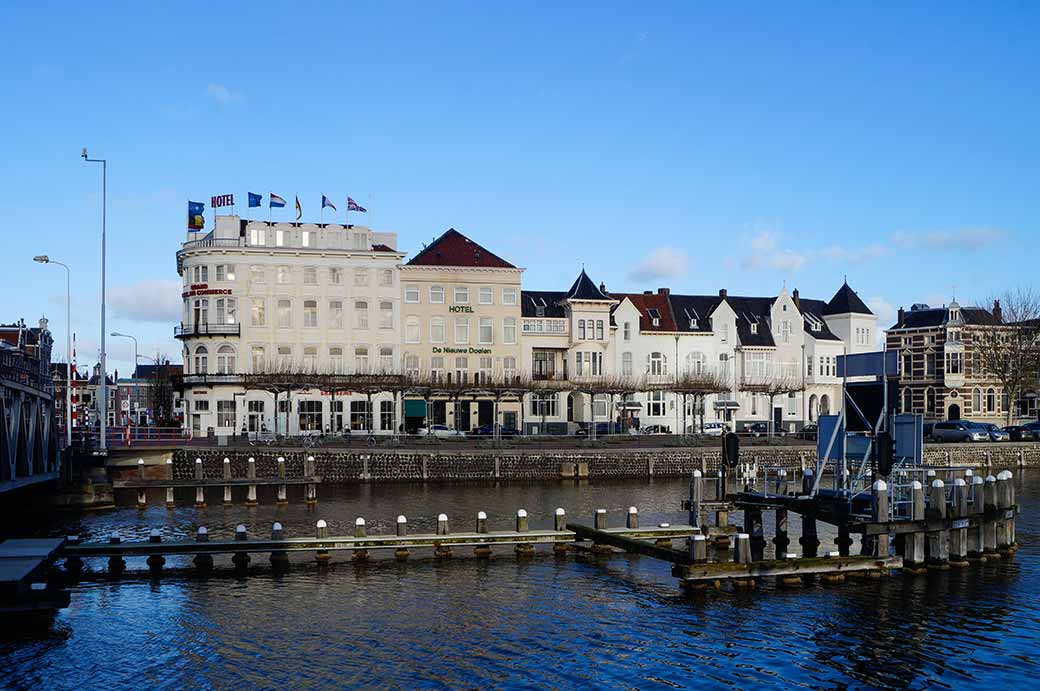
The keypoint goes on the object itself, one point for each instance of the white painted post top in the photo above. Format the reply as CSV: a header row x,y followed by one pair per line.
x,y
481,516
665,525
880,486
990,478
202,530
601,510
199,461
1004,475
240,528
251,459
959,482
561,512
359,521
276,526
743,536
226,459
521,513
402,519
696,473
442,517
937,483
321,523
633,509
699,537
977,480
140,461
790,555
916,484
169,461
281,459
310,458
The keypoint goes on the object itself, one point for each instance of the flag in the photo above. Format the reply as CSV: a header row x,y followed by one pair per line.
x,y
276,202
326,202
354,206
254,199
299,209
195,218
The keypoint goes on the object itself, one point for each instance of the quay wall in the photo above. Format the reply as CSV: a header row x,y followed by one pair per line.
x,y
380,465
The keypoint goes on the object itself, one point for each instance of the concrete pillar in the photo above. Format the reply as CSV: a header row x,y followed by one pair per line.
x,y
696,497
632,521
600,519
976,508
169,490
809,540
742,555
227,468
200,494
560,524
698,548
169,468
283,496
251,474
879,514
442,551
914,543
482,551
169,498
1002,524
959,513
781,540
401,553
279,558
203,562
754,528
808,478
937,541
360,531
321,532
198,468
241,559
142,499
155,561
989,518
523,550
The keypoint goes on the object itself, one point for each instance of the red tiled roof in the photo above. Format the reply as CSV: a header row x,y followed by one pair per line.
x,y
381,248
455,249
643,303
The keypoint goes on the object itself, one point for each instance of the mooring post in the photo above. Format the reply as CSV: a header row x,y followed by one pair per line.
x,y
632,521
560,524
401,553
155,561
251,474
781,540
279,558
914,543
696,497
599,522
309,471
742,555
1011,504
959,529
1002,524
169,490
321,532
116,563
283,497
73,565
721,491
989,518
481,550
523,549
781,482
200,494
879,514
227,476
976,507
938,540
241,559
203,562
753,526
442,551
809,540
360,555
698,548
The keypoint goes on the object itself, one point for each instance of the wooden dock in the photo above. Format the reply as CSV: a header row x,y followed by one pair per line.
x,y
24,586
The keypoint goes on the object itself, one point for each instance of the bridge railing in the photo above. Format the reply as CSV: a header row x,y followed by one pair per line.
x,y
129,436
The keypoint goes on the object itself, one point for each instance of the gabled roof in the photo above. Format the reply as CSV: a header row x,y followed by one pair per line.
x,y
584,289
845,301
455,249
929,317
813,313
149,371
693,307
753,310
550,300
655,302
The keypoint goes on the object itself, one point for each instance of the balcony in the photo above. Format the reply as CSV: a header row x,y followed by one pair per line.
x,y
210,379
207,329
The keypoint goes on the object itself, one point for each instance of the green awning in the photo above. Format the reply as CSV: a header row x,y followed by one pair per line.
x,y
414,408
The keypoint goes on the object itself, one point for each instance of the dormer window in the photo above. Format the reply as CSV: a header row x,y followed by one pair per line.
x,y
754,328
693,323
655,317
539,311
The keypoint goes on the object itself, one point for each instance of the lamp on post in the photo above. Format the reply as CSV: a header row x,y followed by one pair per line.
x,y
116,334
44,259
104,370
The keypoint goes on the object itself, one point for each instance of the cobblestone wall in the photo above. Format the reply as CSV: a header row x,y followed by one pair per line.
x,y
416,466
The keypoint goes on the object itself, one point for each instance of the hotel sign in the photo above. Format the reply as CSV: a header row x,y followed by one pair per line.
x,y
461,308
222,200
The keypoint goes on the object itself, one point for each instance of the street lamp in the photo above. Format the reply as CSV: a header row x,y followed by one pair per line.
x,y
116,334
44,259
104,370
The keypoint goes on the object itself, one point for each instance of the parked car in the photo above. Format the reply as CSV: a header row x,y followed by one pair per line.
x,y
759,429
488,430
440,431
1033,427
926,430
657,429
808,432
958,430
995,433
710,429
1020,433
602,429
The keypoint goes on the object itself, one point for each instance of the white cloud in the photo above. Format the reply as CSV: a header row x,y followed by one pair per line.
x,y
222,95
885,313
950,240
765,251
663,262
148,301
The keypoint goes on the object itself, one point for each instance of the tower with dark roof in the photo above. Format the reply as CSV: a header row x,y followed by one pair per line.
x,y
849,318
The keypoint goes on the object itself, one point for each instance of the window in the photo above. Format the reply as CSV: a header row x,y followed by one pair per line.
x,y
336,359
386,315
225,310
437,330
486,334
284,314
696,363
279,238
597,364
754,328
543,364
309,415
360,314
359,415
487,296
626,364
929,360
386,415
627,331
310,314
226,413
461,370
437,368
509,296
386,278
201,405
461,296
284,356
953,363
201,360
509,330
201,311
360,359
361,277
411,365
284,275
581,329
310,276
257,236
225,360
725,333
335,314
461,330
656,364
509,368
305,238
310,358
544,405
411,294
225,272
411,330
436,294
808,365
976,400
335,276
599,329
655,404
757,367
259,359
259,312
991,401
485,370
386,359
201,274
785,331
257,274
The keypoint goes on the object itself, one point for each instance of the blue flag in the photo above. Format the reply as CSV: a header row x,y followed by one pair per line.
x,y
195,218
254,199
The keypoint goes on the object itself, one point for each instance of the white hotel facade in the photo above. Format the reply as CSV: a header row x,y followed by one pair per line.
x,y
283,297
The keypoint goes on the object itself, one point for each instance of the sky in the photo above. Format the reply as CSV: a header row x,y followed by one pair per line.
x,y
746,146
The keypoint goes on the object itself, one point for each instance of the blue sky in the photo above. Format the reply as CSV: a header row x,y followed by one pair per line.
x,y
742,146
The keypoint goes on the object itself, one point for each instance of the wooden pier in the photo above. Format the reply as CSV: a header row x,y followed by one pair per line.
x,y
24,585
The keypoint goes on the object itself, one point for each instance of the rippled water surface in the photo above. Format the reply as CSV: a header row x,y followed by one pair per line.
x,y
617,623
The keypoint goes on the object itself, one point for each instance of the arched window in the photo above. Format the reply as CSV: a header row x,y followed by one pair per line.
x,y
411,330
436,329
656,364
201,360
908,400
929,402
225,359
695,363
991,401
825,405
814,405
626,364
976,400
360,359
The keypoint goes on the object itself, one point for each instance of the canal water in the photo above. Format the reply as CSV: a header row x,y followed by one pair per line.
x,y
617,623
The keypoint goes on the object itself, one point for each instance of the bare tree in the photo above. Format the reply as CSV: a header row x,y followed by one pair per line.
x,y
771,387
698,386
1008,349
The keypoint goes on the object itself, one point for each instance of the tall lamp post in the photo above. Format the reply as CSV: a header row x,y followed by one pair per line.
x,y
44,259
104,370
116,334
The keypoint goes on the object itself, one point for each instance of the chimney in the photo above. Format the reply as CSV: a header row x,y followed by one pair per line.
x,y
794,296
648,292
900,317
998,315
664,291
603,287
723,293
